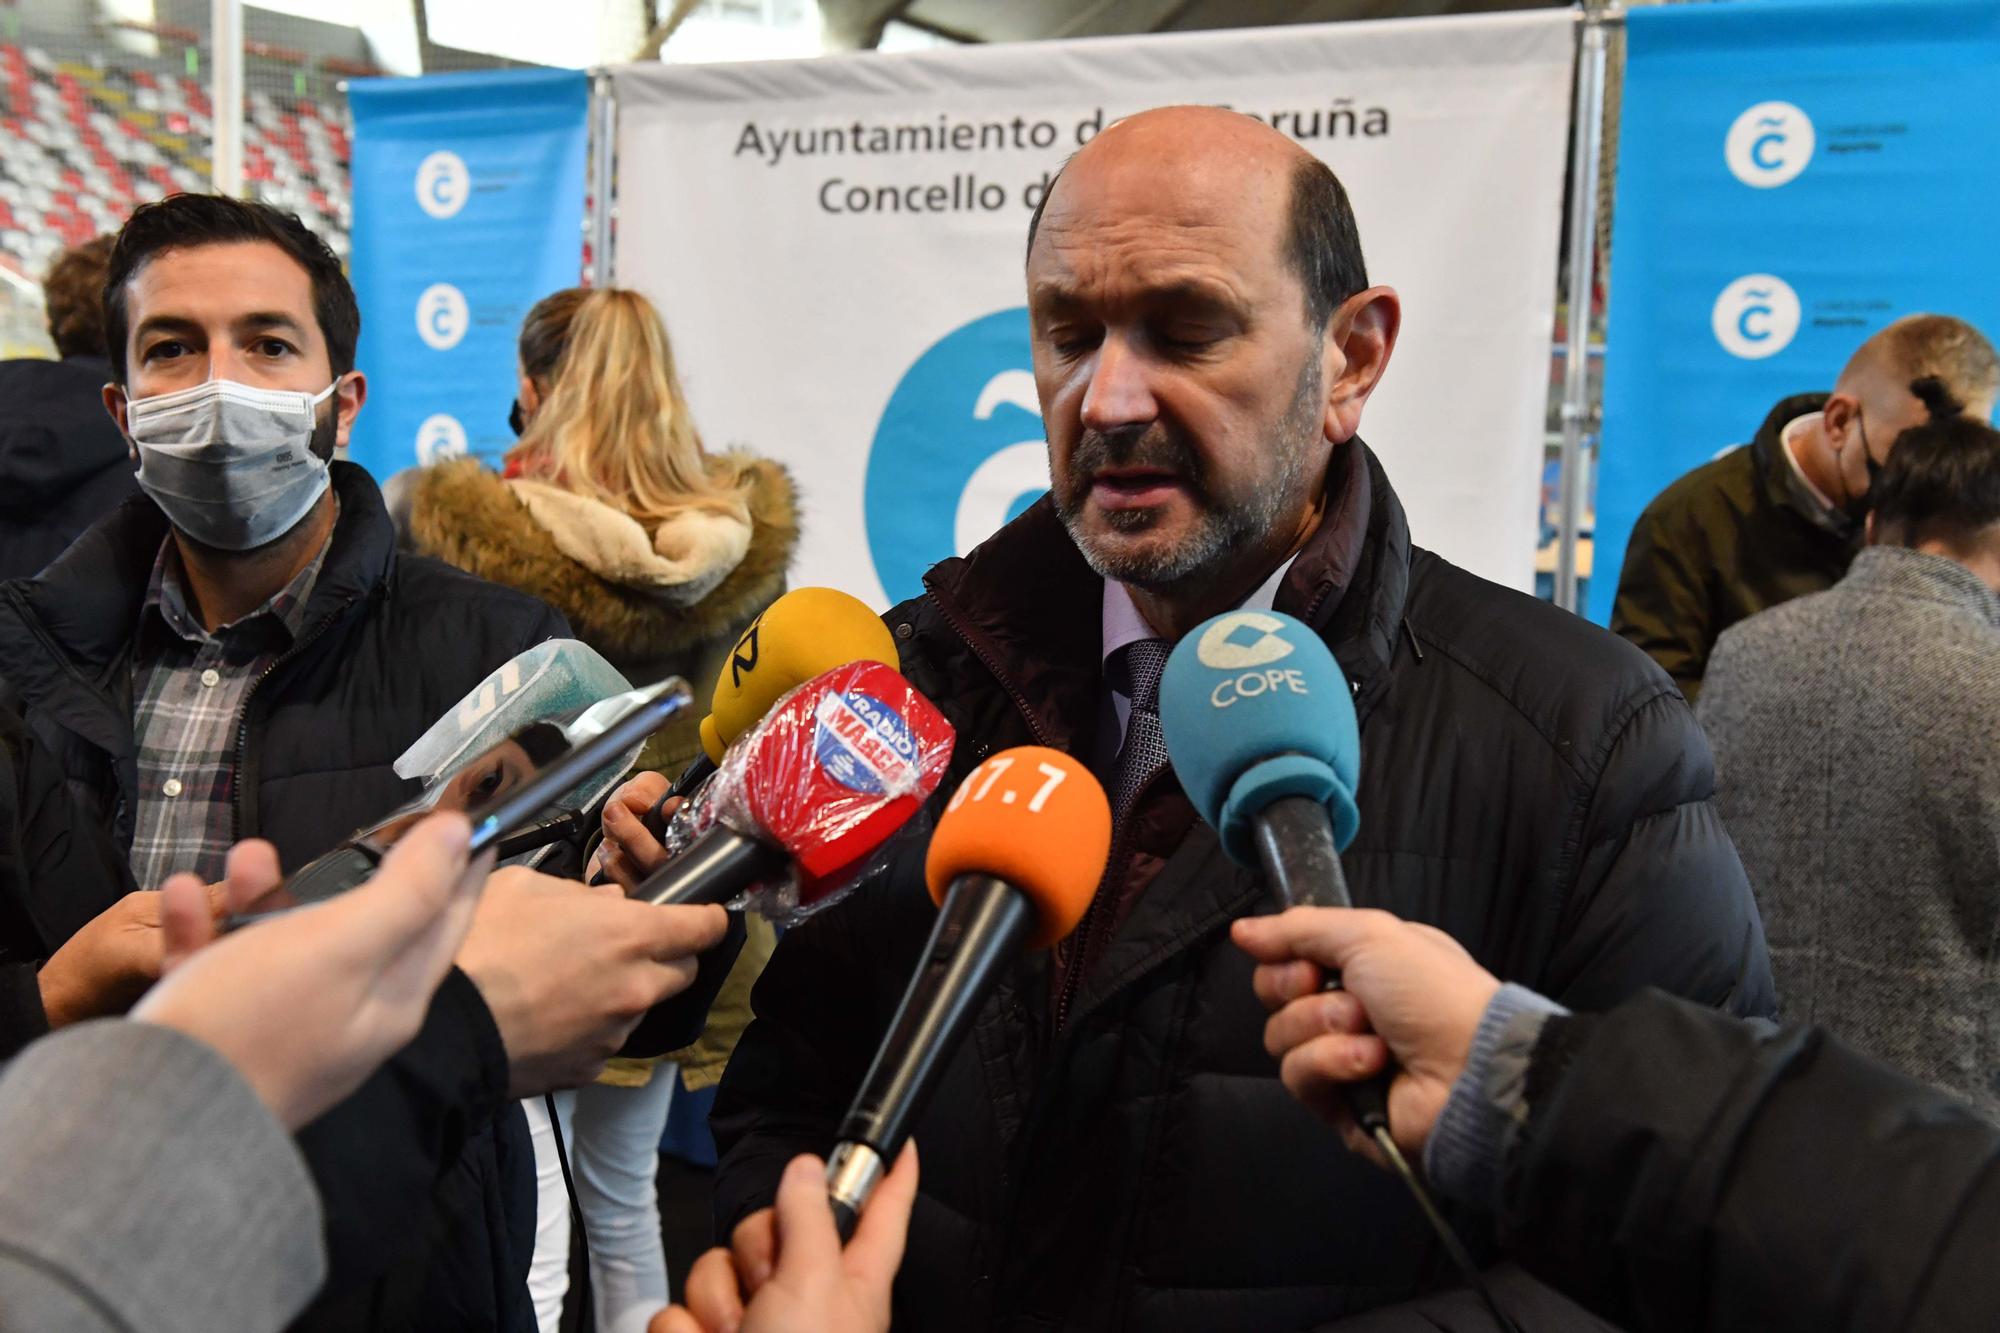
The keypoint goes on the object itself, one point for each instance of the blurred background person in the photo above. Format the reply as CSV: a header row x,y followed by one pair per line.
x,y
1781,516
1857,746
660,554
63,462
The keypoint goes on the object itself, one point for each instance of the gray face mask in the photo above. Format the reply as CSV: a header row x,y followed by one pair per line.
x,y
231,465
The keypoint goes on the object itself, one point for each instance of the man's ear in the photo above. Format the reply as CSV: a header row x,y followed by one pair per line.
x,y
1359,340
347,401
114,403
1836,418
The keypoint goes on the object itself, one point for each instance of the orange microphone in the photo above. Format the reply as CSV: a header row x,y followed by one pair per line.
x,y
1014,861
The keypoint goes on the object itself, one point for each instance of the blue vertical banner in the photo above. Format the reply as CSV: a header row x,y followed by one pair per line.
x,y
1792,176
468,208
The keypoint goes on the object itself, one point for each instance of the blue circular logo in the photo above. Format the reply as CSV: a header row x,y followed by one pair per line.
x,y
863,743
959,450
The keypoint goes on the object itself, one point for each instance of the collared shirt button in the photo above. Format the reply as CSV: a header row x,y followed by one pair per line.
x,y
172,786
211,677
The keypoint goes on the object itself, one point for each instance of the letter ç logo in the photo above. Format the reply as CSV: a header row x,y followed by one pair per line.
x,y
1244,640
442,317
443,183
440,436
1769,144
958,452
1756,316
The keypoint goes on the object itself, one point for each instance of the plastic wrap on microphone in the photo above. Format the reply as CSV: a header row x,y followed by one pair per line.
x,y
557,679
838,765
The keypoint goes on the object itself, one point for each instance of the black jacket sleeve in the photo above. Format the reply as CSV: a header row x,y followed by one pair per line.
x,y
1683,1171
1662,607
22,1019
1659,897
57,872
378,1157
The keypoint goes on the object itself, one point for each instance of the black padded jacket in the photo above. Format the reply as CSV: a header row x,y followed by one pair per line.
x,y
425,1172
1681,1172
1530,784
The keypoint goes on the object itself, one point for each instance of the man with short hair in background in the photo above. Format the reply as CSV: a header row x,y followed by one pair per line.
x,y
63,464
1857,746
1781,516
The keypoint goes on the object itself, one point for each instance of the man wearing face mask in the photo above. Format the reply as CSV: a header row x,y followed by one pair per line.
x,y
241,652
1781,516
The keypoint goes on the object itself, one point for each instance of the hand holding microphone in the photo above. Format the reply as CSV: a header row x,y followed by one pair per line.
x,y
1412,995
1012,865
805,798
805,633
815,1285
1259,722
1260,725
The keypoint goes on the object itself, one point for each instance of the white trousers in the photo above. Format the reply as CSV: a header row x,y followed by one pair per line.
x,y
613,1139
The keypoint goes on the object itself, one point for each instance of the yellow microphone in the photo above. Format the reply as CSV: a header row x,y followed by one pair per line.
x,y
802,635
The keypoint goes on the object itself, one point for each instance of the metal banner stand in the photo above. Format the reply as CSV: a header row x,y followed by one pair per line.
x,y
226,97
600,203
1579,412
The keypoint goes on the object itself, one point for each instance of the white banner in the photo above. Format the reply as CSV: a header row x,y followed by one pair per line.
x,y
837,248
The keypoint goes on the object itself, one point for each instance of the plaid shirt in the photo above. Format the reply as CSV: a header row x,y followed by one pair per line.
x,y
188,691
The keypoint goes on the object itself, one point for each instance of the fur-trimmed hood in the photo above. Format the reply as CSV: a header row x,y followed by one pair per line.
x,y
649,602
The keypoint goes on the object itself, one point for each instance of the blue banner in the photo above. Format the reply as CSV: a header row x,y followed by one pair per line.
x,y
1791,177
468,208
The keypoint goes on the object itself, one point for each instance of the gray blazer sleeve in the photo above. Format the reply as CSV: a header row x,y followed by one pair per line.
x,y
144,1187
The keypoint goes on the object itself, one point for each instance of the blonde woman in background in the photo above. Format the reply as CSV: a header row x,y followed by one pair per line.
x,y
660,554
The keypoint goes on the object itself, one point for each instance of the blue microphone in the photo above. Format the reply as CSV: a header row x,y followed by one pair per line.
x,y
1259,723
1260,726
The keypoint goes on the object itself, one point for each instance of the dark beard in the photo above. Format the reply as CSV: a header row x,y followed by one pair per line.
x,y
1223,527
326,430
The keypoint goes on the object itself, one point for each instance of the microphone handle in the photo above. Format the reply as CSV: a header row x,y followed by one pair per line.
x,y
1302,866
981,928
717,865
687,784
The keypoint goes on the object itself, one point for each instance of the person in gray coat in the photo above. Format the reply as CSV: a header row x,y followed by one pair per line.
x,y
1857,745
150,1180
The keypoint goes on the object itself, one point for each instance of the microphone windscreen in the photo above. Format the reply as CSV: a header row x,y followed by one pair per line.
x,y
804,633
1035,818
1254,708
837,766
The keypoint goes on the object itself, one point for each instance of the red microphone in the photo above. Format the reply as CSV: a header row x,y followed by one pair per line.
x,y
836,767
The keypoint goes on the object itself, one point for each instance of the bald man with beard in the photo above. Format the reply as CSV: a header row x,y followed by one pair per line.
x,y
1111,1147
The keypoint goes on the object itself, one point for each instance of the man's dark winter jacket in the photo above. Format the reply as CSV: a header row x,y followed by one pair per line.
x,y
389,643
1529,783
56,873
1721,544
63,464
1682,1172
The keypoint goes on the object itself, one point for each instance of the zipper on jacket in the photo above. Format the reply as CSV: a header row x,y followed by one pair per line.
x,y
1103,905
249,695
993,669
1085,930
